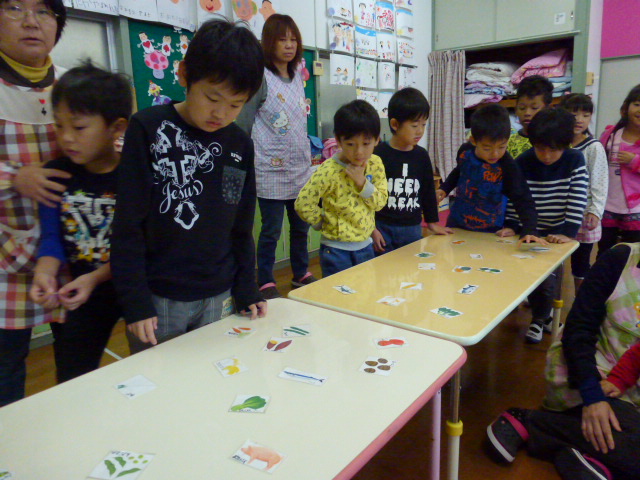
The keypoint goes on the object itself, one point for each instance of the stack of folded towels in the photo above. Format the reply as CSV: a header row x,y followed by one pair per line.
x,y
488,82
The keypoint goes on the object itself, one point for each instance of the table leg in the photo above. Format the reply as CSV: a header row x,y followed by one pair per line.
x,y
557,305
454,429
436,424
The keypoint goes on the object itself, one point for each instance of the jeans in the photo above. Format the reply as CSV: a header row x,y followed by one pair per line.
x,y
334,260
272,212
396,236
176,318
14,348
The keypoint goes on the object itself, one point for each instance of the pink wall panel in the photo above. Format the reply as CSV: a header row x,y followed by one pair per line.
x,y
620,21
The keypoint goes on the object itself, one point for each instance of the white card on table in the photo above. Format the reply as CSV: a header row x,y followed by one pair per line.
x,y
390,342
378,366
296,331
462,269
391,301
522,255
229,367
425,254
135,386
505,240
468,289
539,249
259,457
5,475
121,465
239,331
304,377
344,289
490,270
426,266
276,344
446,312
250,403
476,256
410,286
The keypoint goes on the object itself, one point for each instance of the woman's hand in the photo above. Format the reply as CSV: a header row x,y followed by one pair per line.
x,y
597,420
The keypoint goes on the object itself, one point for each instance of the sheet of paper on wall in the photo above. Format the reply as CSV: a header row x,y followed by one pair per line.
x,y
108,7
366,45
383,103
385,17
406,77
386,45
206,10
341,36
370,96
341,69
406,51
406,4
177,14
366,73
138,10
386,76
340,9
404,23
364,13
248,11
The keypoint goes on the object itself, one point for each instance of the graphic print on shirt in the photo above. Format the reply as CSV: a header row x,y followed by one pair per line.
x,y
87,225
177,161
404,193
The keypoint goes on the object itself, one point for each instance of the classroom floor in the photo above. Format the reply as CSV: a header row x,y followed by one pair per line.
x,y
501,371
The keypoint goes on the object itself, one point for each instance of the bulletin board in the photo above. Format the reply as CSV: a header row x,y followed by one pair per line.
x,y
310,94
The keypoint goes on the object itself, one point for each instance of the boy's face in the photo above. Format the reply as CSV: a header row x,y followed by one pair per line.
x,y
527,107
583,119
357,149
490,150
409,132
548,155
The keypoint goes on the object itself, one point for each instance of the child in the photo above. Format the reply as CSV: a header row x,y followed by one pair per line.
x,y
182,235
409,176
581,107
624,375
91,108
352,187
557,178
485,174
534,93
621,218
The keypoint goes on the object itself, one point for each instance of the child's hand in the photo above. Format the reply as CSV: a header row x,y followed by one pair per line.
x,y
558,238
439,229
77,292
592,221
356,173
255,310
609,389
506,232
532,239
44,290
145,330
440,195
625,157
378,241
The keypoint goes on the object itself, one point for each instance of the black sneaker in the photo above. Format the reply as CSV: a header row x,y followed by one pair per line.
x,y
306,280
269,291
508,432
573,465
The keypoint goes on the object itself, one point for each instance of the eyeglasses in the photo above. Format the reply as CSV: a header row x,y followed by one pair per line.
x,y
16,11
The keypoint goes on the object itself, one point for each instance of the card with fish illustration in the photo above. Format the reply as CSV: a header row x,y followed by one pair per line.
x,y
276,344
468,289
476,256
135,386
462,269
426,266
229,367
258,456
344,289
522,256
296,331
239,331
250,403
446,312
378,366
410,286
304,377
391,301
390,342
122,465
425,254
458,242
490,270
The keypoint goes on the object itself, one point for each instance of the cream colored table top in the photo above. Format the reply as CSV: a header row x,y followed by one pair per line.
x,y
496,297
64,432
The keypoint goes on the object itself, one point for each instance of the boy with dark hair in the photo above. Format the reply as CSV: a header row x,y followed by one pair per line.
x,y
352,186
409,176
182,237
534,93
91,110
558,180
485,174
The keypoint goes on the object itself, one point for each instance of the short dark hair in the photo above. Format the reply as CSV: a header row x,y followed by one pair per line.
x,y
275,27
408,104
57,7
577,102
354,118
87,89
490,122
553,128
536,85
222,51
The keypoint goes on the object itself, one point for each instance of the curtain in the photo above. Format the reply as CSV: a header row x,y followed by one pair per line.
x,y
446,121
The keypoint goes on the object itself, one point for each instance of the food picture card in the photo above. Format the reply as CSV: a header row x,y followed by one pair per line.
x,y
303,377
366,73
239,331
340,8
370,96
426,266
341,36
250,404
135,386
390,342
378,366
385,18
276,344
296,331
410,286
391,301
366,42
404,23
229,367
344,289
490,270
386,45
259,457
386,76
342,69
522,256
406,51
364,13
476,256
462,269
406,77
468,289
425,254
5,474
383,104
121,465
446,312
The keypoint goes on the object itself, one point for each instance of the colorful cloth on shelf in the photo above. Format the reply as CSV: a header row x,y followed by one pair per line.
x,y
550,64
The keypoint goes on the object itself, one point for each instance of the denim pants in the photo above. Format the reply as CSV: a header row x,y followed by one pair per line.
x,y
176,318
272,212
14,348
334,260
396,236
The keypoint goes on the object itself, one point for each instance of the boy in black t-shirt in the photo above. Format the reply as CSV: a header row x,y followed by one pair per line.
x,y
409,176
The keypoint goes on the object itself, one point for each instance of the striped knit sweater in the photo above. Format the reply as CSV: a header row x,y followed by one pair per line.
x,y
559,191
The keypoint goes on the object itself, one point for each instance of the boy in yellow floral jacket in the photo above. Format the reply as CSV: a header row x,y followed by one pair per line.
x,y
352,185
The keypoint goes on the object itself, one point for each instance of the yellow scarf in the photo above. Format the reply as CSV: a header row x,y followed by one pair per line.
x,y
33,74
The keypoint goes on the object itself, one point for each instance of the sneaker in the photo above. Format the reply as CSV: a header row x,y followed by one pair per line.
x,y
534,334
306,280
547,326
573,465
269,291
508,432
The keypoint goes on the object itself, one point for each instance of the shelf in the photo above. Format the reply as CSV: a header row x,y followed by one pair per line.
x,y
511,102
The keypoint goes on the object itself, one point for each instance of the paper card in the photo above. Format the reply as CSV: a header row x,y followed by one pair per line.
x,y
135,386
490,270
383,103
5,475
366,73
229,367
342,69
391,301
378,366
446,312
425,254
296,331
476,256
406,77
121,465
340,8
276,344
406,51
458,242
410,286
407,4
345,289
370,96
342,36
304,377
386,76
505,240
390,342
385,17
539,249
522,255
386,46
250,404
468,289
259,457
404,23
462,269
239,331
426,266
365,13
366,45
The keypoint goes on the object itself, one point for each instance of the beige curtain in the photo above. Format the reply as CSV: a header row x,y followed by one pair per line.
x,y
446,95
